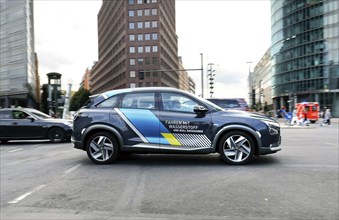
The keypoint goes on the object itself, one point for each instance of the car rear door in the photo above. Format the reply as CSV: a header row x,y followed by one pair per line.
x,y
140,112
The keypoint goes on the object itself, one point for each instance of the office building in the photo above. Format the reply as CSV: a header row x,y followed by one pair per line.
x,y
19,81
137,45
260,87
305,53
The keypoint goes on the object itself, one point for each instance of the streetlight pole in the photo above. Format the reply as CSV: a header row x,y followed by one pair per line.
x,y
202,75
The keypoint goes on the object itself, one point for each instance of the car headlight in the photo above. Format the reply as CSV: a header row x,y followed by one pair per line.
x,y
273,127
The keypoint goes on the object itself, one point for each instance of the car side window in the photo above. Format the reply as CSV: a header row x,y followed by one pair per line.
x,y
19,114
177,102
5,114
108,103
139,100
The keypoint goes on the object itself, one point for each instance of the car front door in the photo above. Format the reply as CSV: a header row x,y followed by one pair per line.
x,y
181,128
24,125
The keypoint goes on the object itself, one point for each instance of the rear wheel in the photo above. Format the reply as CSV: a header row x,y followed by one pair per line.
x,y
56,135
236,147
102,148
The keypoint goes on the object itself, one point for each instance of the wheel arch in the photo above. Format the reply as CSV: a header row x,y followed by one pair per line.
x,y
98,128
254,134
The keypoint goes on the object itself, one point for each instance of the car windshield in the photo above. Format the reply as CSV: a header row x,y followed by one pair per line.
x,y
39,114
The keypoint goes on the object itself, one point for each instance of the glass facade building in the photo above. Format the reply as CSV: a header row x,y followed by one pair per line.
x,y
305,53
18,65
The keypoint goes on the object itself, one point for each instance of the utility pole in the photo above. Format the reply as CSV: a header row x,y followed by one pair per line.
x,y
211,75
202,75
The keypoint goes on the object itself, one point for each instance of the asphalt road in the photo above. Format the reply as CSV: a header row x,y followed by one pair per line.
x,y
41,180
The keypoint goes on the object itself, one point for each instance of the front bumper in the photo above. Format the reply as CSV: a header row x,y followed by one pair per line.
x,y
77,144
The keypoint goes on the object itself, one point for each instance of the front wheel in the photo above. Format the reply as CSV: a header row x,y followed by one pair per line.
x,y
236,147
102,148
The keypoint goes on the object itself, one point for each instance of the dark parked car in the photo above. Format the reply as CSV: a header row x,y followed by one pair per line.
x,y
168,120
232,104
28,124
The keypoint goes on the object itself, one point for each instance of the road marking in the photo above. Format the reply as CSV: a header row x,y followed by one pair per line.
x,y
26,194
332,144
15,150
72,168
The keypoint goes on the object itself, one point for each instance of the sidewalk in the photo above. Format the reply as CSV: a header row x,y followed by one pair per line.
x,y
334,122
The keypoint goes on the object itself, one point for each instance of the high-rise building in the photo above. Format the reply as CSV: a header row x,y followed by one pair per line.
x,y
137,45
305,52
260,84
19,80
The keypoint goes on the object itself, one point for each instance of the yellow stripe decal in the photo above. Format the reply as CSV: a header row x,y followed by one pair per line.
x,y
171,139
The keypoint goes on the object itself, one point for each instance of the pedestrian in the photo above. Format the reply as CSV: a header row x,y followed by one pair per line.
x,y
305,114
327,117
294,117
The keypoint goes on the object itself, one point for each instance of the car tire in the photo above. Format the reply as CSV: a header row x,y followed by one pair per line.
x,y
236,148
102,148
56,135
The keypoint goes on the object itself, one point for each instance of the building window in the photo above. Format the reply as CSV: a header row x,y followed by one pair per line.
x,y
131,49
139,2
132,73
147,49
139,25
155,48
146,12
155,60
139,12
132,85
140,37
140,49
131,37
131,25
147,24
154,1
131,13
131,2
132,62
140,61
155,36
154,11
147,36
148,61
154,24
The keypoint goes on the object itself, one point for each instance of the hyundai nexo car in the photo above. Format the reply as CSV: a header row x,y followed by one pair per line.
x,y
31,124
168,120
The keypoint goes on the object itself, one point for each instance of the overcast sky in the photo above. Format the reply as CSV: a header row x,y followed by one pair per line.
x,y
229,33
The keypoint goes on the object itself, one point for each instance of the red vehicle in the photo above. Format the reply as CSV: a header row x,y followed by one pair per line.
x,y
312,109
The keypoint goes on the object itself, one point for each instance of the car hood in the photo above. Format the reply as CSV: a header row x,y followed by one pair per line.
x,y
244,114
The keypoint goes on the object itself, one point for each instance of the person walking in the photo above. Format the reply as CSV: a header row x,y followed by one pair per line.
x,y
327,117
294,117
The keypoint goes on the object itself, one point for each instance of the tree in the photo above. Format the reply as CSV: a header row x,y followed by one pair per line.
x,y
79,99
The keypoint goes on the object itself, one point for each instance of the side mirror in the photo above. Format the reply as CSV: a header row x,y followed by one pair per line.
x,y
200,109
30,118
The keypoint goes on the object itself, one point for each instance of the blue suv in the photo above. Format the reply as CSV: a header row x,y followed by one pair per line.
x,y
168,120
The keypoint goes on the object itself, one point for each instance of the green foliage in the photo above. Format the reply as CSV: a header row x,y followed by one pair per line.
x,y
79,99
